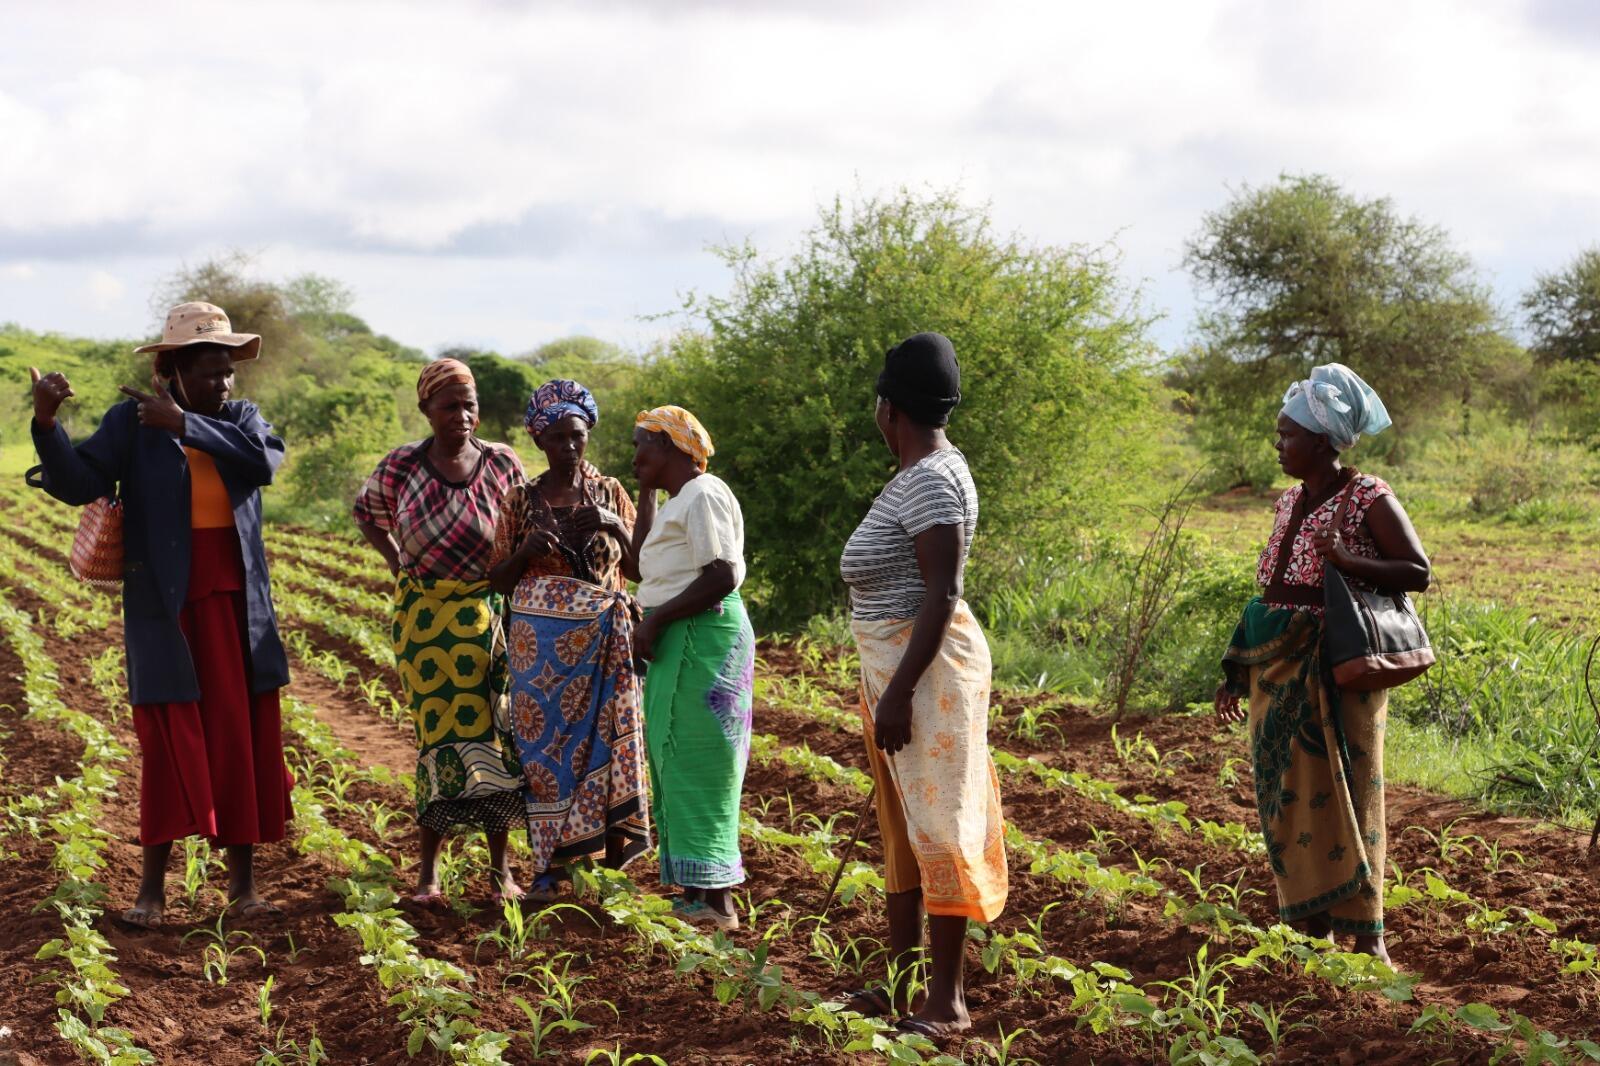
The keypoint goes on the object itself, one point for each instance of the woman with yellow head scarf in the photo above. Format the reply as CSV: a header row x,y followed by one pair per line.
x,y
698,692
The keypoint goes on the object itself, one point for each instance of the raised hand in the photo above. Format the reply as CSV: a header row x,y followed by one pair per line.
x,y
49,391
158,411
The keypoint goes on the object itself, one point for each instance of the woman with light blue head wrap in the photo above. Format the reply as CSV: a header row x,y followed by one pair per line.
x,y
1335,402
1316,750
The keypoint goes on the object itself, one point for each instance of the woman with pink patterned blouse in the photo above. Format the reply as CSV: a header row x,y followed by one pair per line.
x,y
1316,750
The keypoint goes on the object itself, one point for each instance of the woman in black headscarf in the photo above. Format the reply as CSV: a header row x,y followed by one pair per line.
x,y
925,681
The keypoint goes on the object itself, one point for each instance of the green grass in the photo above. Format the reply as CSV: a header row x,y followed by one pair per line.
x,y
15,459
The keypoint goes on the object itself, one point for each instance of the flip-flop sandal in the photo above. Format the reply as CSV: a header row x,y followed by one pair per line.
x,y
259,908
545,889
147,920
430,901
931,1030
869,1002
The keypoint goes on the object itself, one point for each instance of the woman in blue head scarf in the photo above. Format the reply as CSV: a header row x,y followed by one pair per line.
x,y
562,549
1323,824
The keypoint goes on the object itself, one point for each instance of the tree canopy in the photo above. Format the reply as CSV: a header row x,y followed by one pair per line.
x,y
1301,272
782,372
1563,311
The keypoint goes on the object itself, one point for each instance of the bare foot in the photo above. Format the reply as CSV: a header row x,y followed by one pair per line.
x,y
506,888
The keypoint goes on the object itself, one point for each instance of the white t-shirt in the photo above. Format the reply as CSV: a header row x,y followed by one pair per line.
x,y
693,529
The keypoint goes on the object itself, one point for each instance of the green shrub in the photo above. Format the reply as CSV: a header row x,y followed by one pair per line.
x,y
1185,661
1570,393
1057,405
324,473
1513,684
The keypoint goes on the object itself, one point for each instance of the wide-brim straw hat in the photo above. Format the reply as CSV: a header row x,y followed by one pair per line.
x,y
203,323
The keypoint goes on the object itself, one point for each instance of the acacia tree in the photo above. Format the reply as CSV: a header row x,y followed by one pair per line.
x,y
783,372
1300,272
1563,311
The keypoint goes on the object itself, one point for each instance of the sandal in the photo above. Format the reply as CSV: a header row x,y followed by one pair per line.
x,y
932,1030
869,1002
139,918
698,912
432,900
258,908
546,888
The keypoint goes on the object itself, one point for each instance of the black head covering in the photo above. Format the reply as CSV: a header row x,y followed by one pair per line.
x,y
922,378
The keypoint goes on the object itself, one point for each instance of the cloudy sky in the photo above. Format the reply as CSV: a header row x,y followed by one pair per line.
x,y
506,173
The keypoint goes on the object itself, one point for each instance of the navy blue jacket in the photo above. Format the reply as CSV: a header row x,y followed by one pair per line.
x,y
153,472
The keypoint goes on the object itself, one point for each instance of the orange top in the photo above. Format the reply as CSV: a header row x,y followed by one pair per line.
x,y
209,506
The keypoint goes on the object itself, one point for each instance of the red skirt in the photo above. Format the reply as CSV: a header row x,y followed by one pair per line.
x,y
214,768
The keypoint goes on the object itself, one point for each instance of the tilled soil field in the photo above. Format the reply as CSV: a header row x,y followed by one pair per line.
x,y
1140,918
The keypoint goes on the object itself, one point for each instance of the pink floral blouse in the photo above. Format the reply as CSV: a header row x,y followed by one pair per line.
x,y
1305,565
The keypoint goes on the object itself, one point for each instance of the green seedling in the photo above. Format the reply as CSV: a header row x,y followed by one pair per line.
x,y
220,950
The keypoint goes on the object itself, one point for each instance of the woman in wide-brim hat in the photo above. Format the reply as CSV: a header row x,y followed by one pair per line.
x,y
204,661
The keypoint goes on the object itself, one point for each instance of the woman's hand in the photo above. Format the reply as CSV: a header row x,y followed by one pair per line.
x,y
158,411
1227,706
644,639
892,721
539,541
1329,544
49,391
591,519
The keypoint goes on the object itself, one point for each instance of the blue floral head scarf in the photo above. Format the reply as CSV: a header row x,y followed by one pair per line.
x,y
1336,402
555,400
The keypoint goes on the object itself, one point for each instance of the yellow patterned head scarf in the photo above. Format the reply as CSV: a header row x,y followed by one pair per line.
x,y
687,434
442,373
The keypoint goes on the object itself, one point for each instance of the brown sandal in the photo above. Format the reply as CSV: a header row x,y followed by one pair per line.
x,y
869,1003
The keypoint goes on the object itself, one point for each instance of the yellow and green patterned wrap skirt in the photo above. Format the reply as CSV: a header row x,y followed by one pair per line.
x,y
449,650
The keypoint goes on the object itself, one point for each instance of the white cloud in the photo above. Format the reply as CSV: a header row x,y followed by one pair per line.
x,y
18,272
103,290
613,141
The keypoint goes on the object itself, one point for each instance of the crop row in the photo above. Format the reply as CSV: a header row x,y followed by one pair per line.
x,y
1216,904
86,980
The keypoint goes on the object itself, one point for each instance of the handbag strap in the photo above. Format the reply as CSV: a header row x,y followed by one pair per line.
x,y
1303,595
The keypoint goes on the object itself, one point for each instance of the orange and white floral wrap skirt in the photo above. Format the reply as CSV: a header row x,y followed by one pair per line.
x,y
938,797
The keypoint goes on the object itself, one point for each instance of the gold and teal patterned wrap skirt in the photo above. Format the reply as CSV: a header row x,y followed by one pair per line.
x,y
1317,755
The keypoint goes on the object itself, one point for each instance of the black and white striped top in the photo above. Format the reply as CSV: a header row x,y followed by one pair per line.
x,y
880,558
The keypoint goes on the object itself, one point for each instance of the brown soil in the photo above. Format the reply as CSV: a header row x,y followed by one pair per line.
x,y
324,988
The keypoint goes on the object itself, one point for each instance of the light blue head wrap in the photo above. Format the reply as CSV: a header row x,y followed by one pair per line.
x,y
1335,401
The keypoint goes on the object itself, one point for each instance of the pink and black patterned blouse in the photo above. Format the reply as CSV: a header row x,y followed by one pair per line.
x,y
445,529
1305,565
